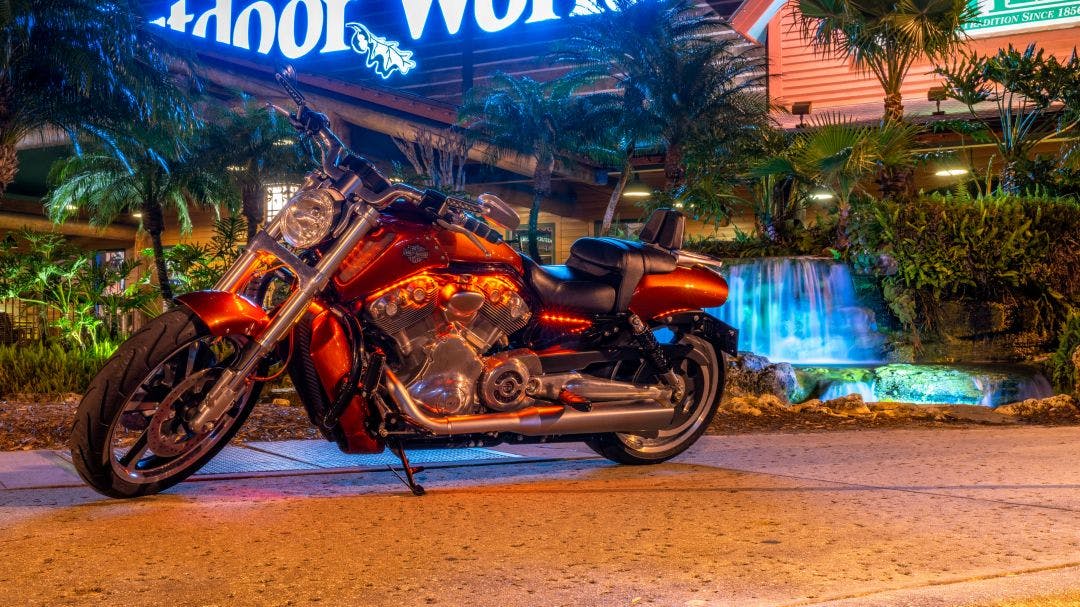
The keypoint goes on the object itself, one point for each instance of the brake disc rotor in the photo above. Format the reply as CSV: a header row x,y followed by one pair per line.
x,y
169,434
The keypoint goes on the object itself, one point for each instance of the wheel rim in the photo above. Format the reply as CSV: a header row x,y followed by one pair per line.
x,y
699,371
149,439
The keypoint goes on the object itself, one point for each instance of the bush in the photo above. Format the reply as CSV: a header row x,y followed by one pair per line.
x,y
52,370
1063,372
1020,250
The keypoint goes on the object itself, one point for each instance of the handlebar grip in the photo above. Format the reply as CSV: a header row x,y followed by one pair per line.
x,y
368,174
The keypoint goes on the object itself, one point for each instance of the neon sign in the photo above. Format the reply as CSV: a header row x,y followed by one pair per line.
x,y
300,26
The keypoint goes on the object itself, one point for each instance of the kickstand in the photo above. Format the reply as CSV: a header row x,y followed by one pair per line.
x,y
409,480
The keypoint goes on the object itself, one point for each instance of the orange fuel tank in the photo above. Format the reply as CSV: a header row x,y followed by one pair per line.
x,y
399,249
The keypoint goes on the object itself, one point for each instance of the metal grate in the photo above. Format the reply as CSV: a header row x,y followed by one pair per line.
x,y
240,460
326,455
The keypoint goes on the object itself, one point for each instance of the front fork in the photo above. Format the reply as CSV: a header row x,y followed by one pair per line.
x,y
311,280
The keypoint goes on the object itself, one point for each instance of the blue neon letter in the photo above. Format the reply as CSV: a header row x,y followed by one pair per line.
x,y
417,11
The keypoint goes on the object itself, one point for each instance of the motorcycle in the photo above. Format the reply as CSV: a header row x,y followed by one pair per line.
x,y
405,320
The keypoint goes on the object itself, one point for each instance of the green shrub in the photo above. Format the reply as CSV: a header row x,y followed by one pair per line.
x,y
1063,373
1022,250
50,370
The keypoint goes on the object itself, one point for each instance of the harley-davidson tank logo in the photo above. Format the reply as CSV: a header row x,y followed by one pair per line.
x,y
415,253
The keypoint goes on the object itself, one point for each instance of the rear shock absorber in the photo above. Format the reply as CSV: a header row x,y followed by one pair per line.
x,y
648,344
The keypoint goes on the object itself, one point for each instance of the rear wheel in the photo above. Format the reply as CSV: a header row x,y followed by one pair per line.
x,y
703,372
131,434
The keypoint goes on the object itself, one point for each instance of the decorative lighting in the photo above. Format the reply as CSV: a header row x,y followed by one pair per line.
x,y
938,94
137,215
284,142
235,168
821,194
71,207
636,189
954,172
802,110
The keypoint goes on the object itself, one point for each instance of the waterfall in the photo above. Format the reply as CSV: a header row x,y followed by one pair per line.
x,y
799,310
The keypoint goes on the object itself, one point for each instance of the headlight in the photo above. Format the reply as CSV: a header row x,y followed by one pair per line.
x,y
308,218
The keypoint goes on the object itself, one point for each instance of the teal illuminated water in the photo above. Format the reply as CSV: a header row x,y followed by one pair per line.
x,y
804,311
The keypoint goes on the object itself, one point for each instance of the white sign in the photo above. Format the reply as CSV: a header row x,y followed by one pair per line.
x,y
325,25
1006,16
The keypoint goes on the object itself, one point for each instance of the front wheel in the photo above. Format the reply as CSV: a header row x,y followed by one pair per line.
x,y
131,435
702,370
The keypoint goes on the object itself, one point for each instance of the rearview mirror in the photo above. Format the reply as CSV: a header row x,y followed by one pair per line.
x,y
499,212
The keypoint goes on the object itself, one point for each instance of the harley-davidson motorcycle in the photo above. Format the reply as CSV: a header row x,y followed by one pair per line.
x,y
406,321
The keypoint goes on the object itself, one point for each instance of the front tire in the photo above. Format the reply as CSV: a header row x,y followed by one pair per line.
x,y
703,372
130,436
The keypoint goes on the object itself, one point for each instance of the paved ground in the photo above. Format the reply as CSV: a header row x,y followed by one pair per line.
x,y
920,517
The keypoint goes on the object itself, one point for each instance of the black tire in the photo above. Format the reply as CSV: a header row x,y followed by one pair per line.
x,y
637,451
112,389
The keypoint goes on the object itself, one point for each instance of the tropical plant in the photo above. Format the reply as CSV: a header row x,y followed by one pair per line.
x,y
1037,97
198,267
257,148
886,37
543,120
1022,251
87,67
50,368
838,157
437,157
148,178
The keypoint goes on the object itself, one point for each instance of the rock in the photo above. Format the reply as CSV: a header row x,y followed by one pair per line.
x,y
1061,407
750,374
851,405
755,406
926,384
1076,369
281,402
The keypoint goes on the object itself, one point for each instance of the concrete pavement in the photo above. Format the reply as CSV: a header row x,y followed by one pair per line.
x,y
898,517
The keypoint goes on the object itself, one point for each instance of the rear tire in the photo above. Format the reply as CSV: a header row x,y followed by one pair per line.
x,y
109,406
703,370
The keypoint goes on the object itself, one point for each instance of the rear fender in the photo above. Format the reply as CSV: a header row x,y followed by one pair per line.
x,y
226,313
723,336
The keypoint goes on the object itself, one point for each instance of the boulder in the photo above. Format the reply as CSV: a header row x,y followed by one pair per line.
x,y
926,384
756,406
753,375
1061,407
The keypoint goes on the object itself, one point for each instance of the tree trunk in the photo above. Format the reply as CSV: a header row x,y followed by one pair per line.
x,y
154,222
613,202
541,190
843,213
9,165
254,207
1010,178
896,184
894,106
673,169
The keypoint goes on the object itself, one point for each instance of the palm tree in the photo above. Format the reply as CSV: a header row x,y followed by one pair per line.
x,y
541,119
677,68
886,37
257,148
838,157
144,179
83,66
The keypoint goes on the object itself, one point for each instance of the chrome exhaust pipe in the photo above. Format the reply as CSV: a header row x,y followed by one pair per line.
x,y
637,416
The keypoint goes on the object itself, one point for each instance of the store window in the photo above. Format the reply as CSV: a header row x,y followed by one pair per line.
x,y
546,237
276,197
621,228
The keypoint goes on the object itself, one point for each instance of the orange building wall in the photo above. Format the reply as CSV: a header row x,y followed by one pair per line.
x,y
798,73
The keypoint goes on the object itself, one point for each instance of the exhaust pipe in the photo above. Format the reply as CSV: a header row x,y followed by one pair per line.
x,y
636,416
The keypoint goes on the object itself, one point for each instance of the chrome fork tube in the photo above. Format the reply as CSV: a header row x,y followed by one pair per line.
x,y
312,280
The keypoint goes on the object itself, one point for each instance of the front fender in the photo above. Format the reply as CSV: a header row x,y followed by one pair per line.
x,y
226,313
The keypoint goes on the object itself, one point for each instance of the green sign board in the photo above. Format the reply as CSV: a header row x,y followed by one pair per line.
x,y
1006,16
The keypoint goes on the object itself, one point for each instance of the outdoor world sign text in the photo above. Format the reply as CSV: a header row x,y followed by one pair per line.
x,y
301,27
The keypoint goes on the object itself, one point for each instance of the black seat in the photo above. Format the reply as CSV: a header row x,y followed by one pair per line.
x,y
562,287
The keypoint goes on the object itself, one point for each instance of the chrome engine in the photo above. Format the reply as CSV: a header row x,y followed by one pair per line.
x,y
443,327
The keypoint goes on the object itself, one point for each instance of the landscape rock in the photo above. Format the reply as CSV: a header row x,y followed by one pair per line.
x,y
851,405
1059,408
753,374
756,406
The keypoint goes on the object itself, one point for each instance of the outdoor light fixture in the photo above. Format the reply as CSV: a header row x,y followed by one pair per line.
x,y
637,189
821,194
802,110
235,168
71,207
137,215
284,142
937,94
956,172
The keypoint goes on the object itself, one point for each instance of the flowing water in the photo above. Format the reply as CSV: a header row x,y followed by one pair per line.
x,y
804,311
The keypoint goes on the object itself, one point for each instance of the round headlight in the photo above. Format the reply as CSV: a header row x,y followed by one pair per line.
x,y
308,218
